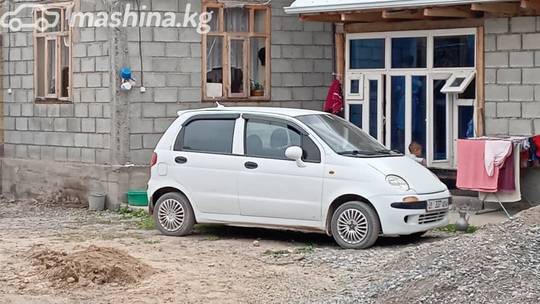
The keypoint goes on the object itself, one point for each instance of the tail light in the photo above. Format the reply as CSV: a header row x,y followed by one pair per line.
x,y
154,159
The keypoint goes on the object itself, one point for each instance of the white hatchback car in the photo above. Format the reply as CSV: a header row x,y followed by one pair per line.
x,y
289,168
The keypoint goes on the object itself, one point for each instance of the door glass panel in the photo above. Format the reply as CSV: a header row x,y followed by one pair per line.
x,y
439,121
418,112
366,54
269,139
373,103
397,108
215,135
355,86
355,114
453,51
465,122
409,52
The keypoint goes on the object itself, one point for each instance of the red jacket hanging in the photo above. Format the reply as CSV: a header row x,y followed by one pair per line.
x,y
334,100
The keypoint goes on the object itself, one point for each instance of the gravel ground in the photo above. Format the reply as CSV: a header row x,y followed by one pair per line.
x,y
217,264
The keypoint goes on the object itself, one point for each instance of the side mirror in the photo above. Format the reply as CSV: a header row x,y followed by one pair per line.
x,y
295,153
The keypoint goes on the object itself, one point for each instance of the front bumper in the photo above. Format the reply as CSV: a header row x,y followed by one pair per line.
x,y
401,221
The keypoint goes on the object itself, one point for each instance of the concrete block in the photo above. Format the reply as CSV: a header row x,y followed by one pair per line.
x,y
88,155
103,125
88,95
196,50
103,95
509,42
522,24
323,66
497,126
135,142
521,93
520,127
490,109
522,59
27,110
153,49
95,110
94,50
80,140
141,126
302,65
177,49
303,93
496,60
60,124
73,124
282,38
280,94
87,34
496,92
60,154
313,26
506,76
508,109
103,64
150,140
88,125
21,151
93,80
46,124
34,152
79,80
496,25
161,124
21,123
313,52
490,75
168,6
153,110
88,64
292,79
190,94
281,66
53,110
322,38
166,95
74,154
531,75
275,51
531,41
189,65
81,110
291,51
103,156
165,34
79,50
531,110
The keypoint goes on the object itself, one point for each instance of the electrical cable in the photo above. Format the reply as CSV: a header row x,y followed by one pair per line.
x,y
9,48
140,44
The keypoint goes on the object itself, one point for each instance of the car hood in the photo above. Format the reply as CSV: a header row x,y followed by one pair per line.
x,y
419,178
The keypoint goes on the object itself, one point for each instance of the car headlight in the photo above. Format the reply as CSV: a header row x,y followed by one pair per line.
x,y
396,181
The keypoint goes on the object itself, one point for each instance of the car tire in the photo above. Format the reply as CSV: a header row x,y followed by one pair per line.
x,y
355,225
173,214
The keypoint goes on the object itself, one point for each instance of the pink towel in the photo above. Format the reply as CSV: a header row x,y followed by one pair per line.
x,y
495,154
471,172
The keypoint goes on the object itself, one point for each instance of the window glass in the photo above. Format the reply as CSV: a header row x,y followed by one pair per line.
x,y
64,67
260,21
258,66
208,135
418,110
270,139
366,54
453,51
355,115
439,121
355,86
409,52
236,60
470,92
214,21
311,151
236,19
373,102
40,63
465,122
397,108
51,68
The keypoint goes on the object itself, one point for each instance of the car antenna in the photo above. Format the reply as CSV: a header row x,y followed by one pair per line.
x,y
219,105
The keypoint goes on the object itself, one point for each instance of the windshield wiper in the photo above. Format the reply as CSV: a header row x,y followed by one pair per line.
x,y
355,152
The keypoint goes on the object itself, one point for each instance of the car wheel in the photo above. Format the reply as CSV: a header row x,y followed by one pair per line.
x,y
355,225
173,214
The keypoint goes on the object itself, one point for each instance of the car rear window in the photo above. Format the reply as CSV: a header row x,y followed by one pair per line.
x,y
207,135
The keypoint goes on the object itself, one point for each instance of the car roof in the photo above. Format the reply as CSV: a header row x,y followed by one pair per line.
x,y
259,110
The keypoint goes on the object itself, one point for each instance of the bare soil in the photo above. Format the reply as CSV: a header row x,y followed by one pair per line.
x,y
50,253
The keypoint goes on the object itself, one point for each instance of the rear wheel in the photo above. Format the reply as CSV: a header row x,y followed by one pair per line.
x,y
173,214
355,225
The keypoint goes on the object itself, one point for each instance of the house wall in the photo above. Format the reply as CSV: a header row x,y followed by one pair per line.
x,y
512,76
85,145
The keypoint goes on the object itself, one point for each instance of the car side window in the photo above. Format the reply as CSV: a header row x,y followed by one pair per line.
x,y
206,135
270,139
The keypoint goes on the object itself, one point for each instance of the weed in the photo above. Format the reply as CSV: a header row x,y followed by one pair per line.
x,y
277,252
143,219
306,249
151,241
212,237
451,228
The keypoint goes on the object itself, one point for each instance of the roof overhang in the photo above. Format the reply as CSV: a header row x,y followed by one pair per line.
x,y
322,6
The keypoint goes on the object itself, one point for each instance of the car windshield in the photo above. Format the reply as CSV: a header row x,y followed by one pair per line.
x,y
344,137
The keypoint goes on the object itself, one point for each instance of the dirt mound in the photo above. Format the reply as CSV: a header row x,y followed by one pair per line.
x,y
93,265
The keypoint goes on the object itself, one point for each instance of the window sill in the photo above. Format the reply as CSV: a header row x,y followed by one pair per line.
x,y
52,101
238,99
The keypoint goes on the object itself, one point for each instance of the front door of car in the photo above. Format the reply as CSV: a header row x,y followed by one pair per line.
x,y
271,185
202,162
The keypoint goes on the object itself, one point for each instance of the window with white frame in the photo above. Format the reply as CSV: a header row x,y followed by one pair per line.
x,y
52,53
416,86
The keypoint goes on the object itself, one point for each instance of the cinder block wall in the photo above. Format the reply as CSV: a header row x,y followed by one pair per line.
x,y
301,71
84,145
512,62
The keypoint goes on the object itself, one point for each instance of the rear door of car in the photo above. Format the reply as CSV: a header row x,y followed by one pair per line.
x,y
272,186
204,163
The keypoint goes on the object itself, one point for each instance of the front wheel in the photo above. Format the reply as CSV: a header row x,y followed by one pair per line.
x,y
355,225
173,214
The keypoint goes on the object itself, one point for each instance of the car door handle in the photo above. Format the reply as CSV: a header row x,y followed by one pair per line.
x,y
251,165
180,160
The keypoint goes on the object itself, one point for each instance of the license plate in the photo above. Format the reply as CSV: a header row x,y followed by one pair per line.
x,y
437,204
